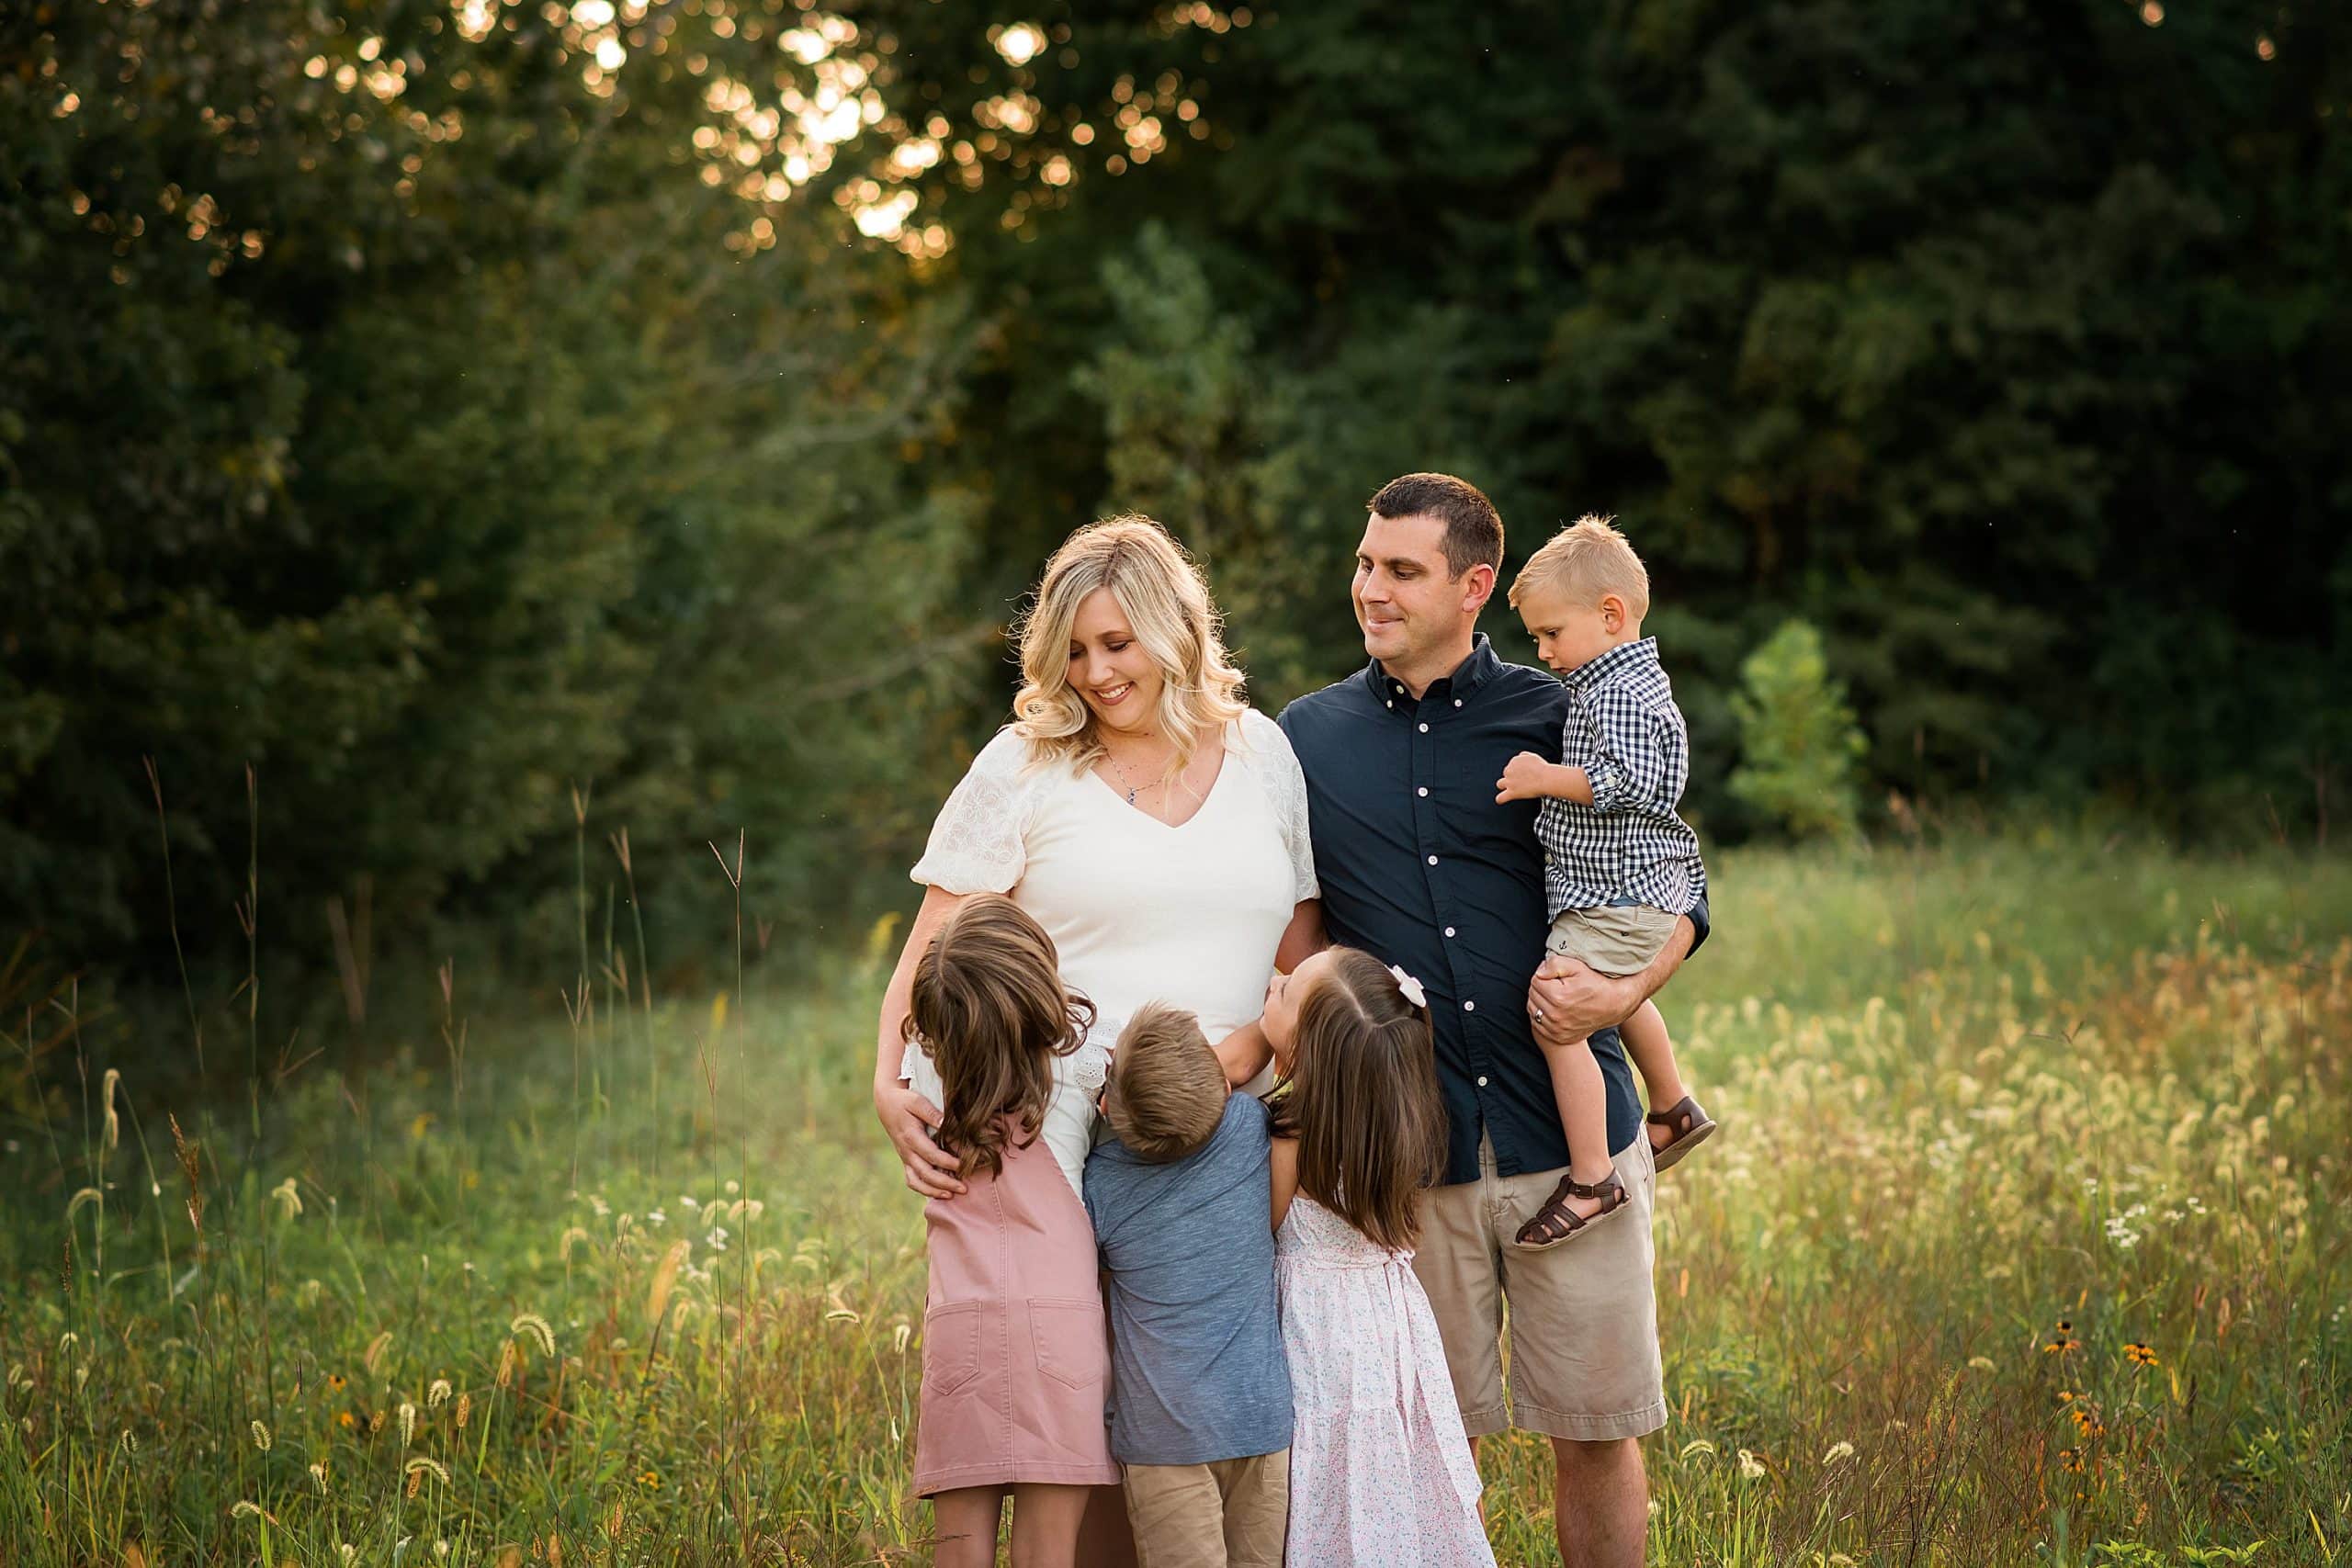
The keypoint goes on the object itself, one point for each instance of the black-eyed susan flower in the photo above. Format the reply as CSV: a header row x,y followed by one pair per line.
x,y
2066,1344
650,1480
2070,1460
2141,1355
344,1419
335,1382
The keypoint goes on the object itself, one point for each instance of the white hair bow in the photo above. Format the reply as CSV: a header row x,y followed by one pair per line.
x,y
1411,987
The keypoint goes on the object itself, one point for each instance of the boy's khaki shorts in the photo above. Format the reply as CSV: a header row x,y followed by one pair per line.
x,y
1618,939
1230,1514
1583,1317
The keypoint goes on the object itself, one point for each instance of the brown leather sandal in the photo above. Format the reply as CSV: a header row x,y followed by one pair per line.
x,y
1555,1221
1690,1126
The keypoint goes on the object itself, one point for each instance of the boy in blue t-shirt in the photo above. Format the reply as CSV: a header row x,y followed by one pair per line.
x,y
1180,1197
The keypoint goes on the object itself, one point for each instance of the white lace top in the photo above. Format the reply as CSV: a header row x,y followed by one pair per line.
x,y
1140,912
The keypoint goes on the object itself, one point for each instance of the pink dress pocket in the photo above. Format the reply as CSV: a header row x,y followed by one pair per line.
x,y
1072,1346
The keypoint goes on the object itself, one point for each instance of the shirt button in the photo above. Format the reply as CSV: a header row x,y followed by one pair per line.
x,y
1425,730
1388,705
1448,930
1423,790
1432,860
1482,1083
1469,1006
1457,703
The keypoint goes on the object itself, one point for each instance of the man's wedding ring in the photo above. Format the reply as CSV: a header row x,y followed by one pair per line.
x,y
1538,1014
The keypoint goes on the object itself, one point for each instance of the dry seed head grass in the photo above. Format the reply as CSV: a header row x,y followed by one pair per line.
x,y
535,1327
665,1275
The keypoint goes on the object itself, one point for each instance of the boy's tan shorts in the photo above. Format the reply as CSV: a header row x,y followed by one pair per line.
x,y
1584,1352
1230,1514
1620,939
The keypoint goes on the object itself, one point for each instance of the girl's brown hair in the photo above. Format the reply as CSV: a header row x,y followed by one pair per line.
x,y
1362,1100
988,1006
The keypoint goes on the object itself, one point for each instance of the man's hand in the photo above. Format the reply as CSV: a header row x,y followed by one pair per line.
x,y
1525,777
1567,1001
910,1120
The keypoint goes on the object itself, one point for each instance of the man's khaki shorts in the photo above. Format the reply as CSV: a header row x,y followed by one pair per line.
x,y
1583,1318
1618,939
1231,1514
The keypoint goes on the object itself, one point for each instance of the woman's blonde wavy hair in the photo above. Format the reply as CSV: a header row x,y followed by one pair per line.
x,y
1166,600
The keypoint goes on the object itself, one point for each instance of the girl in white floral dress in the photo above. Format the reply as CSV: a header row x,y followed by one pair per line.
x,y
1380,1470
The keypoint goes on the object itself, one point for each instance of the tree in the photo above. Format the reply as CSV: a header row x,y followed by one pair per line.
x,y
1799,748
391,401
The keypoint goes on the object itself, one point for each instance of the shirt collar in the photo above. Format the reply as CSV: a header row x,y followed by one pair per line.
x,y
1623,659
1468,676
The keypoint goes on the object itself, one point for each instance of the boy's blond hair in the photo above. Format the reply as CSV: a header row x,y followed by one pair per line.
x,y
1167,1090
1588,560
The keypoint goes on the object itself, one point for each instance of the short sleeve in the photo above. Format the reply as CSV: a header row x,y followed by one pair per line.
x,y
977,840
1276,766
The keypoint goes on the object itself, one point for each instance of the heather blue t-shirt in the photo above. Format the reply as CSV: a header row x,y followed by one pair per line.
x,y
1197,1368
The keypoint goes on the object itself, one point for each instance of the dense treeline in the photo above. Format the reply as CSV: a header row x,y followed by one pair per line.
x,y
448,409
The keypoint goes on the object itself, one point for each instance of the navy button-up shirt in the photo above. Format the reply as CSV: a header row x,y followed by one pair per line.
x,y
1421,868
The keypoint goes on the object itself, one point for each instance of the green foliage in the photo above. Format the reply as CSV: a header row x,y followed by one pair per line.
x,y
2001,346
402,393
393,410
1799,748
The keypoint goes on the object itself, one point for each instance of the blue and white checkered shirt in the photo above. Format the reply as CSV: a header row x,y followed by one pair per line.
x,y
1626,734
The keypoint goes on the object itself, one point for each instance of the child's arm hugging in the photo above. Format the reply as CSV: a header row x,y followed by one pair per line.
x,y
1645,761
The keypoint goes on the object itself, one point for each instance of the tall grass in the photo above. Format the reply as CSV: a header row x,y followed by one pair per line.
x,y
2023,1244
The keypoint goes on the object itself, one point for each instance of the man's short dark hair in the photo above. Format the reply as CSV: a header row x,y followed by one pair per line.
x,y
1474,529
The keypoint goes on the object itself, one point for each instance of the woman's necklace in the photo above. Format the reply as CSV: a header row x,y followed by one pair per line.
x,y
1125,780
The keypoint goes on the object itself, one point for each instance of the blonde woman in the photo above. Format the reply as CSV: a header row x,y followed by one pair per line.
x,y
1151,820
1142,812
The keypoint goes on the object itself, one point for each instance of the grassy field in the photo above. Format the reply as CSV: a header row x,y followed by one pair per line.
x,y
2024,1244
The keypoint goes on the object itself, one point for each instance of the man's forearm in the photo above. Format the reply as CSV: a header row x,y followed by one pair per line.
x,y
1670,958
1568,1001
1302,938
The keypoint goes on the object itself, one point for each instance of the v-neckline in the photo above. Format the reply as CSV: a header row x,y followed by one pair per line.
x,y
1118,797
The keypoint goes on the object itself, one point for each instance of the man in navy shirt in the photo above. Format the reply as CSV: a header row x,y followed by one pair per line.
x,y
1422,867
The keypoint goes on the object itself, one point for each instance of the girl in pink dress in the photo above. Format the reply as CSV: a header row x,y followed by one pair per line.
x,y
1380,1469
1015,1361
